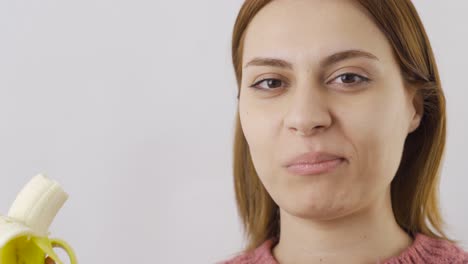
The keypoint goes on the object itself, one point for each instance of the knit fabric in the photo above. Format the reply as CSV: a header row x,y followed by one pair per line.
x,y
423,250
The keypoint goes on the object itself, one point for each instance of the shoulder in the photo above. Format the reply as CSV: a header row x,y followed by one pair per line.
x,y
426,249
445,250
260,255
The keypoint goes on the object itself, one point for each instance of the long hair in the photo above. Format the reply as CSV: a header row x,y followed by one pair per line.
x,y
414,189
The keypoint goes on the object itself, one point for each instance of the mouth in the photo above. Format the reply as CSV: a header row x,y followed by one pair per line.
x,y
315,168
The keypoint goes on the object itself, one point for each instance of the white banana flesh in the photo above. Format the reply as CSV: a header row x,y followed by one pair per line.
x,y
38,203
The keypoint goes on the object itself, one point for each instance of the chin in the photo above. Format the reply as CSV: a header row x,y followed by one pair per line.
x,y
322,215
321,209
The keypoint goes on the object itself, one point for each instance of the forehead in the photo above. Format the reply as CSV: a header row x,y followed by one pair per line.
x,y
307,30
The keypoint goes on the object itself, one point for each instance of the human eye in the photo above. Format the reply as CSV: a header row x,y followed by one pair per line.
x,y
268,84
351,79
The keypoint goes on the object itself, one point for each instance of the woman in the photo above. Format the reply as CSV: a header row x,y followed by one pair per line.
x,y
340,134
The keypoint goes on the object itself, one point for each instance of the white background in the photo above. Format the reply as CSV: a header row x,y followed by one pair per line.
x,y
130,106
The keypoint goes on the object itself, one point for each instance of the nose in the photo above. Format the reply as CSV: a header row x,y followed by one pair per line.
x,y
308,110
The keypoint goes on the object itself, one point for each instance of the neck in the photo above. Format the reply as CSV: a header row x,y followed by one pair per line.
x,y
368,235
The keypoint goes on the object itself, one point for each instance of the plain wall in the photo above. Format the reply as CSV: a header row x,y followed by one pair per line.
x,y
130,105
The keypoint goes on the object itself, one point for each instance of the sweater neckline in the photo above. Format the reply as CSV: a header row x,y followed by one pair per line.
x,y
424,249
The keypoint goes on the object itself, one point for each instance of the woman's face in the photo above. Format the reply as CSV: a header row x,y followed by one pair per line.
x,y
310,103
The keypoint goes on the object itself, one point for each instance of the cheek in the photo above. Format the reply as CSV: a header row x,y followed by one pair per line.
x,y
259,124
260,129
374,129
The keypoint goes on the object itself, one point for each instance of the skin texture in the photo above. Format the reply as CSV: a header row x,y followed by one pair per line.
x,y
344,216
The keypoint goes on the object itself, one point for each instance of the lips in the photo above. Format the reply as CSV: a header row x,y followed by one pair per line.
x,y
312,158
316,168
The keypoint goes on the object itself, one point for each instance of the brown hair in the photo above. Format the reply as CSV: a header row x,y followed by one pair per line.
x,y
414,190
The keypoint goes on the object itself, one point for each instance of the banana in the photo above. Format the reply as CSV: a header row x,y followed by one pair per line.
x,y
24,235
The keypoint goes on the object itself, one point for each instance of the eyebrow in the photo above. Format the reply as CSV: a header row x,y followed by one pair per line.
x,y
327,61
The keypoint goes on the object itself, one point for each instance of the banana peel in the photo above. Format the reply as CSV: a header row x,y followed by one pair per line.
x,y
24,235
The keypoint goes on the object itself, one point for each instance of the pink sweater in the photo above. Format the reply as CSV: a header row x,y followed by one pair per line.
x,y
424,250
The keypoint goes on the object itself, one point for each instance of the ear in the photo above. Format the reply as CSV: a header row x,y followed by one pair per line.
x,y
417,107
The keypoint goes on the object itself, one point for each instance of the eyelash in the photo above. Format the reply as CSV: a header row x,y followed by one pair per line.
x,y
363,80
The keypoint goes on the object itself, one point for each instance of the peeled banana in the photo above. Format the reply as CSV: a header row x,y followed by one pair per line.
x,y
24,236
